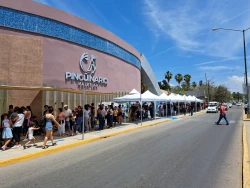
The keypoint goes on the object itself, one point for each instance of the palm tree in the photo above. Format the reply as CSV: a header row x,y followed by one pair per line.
x,y
187,78
168,76
200,83
166,85
194,85
160,85
178,78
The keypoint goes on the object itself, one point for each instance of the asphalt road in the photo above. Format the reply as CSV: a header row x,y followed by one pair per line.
x,y
187,153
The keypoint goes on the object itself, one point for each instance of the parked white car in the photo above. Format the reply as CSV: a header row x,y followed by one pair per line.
x,y
230,105
212,107
238,104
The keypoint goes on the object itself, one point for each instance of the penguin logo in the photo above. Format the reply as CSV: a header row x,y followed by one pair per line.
x,y
92,65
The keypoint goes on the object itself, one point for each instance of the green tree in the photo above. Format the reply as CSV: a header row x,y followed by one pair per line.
x,y
179,78
168,76
222,94
187,78
194,85
184,86
164,85
160,85
200,83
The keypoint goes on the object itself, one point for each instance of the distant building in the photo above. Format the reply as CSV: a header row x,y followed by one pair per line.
x,y
201,94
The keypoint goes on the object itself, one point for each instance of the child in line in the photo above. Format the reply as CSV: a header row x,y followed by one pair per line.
x,y
7,132
30,134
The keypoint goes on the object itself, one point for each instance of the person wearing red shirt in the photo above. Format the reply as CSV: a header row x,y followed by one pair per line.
x,y
222,114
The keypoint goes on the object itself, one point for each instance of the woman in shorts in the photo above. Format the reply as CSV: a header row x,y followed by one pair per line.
x,y
49,127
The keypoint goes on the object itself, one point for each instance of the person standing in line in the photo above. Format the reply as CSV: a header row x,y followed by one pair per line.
x,y
222,114
86,117
27,116
7,133
101,116
151,111
67,112
115,116
191,110
49,127
46,109
245,107
72,122
92,115
110,112
11,110
17,130
61,119
79,122
119,115
184,110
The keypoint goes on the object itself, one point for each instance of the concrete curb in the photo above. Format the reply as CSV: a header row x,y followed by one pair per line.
x,y
51,150
246,162
67,146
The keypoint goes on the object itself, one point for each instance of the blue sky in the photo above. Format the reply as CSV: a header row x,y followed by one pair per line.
x,y
176,35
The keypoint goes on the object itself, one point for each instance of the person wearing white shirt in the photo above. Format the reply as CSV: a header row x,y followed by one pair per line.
x,y
67,112
17,130
30,135
86,112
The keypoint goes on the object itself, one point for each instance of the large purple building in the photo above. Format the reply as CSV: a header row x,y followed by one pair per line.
x,y
43,46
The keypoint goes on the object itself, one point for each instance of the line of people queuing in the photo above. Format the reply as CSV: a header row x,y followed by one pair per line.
x,y
20,121
175,109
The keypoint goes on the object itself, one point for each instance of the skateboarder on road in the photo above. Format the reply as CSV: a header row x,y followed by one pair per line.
x,y
222,114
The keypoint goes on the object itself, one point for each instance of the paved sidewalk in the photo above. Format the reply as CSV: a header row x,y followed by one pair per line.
x,y
246,150
20,154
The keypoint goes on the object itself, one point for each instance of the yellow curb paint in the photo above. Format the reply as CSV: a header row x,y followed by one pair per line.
x,y
51,149
246,160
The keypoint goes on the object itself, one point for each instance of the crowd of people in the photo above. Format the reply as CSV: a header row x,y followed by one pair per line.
x,y
20,121
62,121
147,111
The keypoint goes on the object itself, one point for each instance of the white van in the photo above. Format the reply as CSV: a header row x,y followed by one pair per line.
x,y
213,107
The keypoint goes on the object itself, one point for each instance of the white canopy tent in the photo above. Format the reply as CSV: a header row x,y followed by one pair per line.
x,y
134,91
173,97
147,96
164,97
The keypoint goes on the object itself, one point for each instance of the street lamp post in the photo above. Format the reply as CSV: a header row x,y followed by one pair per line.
x,y
245,57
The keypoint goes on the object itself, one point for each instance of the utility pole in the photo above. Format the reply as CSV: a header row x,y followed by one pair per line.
x,y
207,83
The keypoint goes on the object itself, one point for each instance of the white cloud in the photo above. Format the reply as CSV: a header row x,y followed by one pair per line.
x,y
189,25
215,68
227,20
218,61
162,52
233,83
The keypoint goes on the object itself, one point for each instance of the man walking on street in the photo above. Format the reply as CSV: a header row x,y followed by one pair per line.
x,y
222,114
